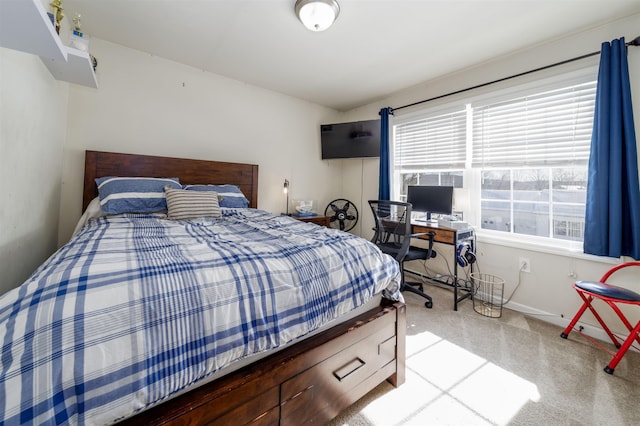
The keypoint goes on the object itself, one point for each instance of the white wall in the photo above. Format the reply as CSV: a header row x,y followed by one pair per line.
x,y
546,291
32,131
149,105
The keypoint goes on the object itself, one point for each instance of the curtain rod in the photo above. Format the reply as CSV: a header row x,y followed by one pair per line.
x,y
634,42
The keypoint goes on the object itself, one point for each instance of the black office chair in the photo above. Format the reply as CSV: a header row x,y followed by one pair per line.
x,y
393,237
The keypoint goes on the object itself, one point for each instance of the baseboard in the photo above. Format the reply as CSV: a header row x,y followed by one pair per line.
x,y
588,329
555,319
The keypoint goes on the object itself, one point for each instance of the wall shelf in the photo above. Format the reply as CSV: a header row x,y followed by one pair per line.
x,y
25,26
76,69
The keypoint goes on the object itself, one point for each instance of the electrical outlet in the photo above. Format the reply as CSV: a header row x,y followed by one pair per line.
x,y
524,265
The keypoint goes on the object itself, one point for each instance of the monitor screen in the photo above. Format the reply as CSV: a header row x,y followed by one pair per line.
x,y
358,139
431,199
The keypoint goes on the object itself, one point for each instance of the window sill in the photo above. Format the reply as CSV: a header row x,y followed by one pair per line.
x,y
570,249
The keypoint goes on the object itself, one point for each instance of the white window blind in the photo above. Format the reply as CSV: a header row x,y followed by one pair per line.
x,y
431,143
544,129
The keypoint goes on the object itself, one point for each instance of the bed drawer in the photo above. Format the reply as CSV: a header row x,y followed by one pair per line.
x,y
325,385
247,404
259,410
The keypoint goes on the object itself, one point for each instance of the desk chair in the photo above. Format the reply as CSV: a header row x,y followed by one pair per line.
x,y
393,237
611,295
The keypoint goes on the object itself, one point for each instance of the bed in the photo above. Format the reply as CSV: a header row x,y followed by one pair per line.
x,y
322,358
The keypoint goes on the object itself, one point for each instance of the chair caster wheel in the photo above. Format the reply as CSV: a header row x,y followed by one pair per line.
x,y
608,370
564,335
428,304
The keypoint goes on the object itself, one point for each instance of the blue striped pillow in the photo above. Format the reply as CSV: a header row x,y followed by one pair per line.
x,y
133,194
229,195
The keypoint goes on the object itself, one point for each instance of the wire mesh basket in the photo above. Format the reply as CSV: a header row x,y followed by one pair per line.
x,y
488,291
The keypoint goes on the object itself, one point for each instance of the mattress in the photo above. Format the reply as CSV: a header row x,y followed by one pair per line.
x,y
136,309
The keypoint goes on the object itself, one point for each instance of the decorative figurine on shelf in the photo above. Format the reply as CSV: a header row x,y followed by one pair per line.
x,y
58,13
76,25
77,39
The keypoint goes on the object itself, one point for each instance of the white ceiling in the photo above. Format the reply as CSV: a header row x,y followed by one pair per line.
x,y
376,47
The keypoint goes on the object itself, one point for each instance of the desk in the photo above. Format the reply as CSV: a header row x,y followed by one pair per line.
x,y
452,237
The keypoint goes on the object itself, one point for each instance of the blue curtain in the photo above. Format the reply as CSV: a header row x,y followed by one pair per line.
x,y
384,186
612,218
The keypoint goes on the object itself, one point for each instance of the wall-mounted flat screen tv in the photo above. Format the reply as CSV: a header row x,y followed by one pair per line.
x,y
358,139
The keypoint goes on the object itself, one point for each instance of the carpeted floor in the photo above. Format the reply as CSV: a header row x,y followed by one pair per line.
x,y
467,369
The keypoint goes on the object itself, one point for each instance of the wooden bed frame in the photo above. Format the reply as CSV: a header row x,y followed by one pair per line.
x,y
308,382
190,172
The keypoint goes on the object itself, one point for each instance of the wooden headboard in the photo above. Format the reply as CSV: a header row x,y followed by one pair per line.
x,y
100,164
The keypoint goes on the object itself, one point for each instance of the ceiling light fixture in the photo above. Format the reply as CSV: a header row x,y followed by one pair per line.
x,y
317,15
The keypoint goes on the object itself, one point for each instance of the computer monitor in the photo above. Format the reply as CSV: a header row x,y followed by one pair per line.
x,y
430,199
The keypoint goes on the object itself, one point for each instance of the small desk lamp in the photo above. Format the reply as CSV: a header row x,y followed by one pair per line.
x,y
286,191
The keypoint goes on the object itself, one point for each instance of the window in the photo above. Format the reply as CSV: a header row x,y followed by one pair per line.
x,y
523,153
430,150
544,202
437,178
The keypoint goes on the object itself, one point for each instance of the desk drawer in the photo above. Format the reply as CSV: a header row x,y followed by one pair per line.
x,y
446,236
324,385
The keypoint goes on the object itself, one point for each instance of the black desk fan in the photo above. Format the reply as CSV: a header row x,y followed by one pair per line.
x,y
343,214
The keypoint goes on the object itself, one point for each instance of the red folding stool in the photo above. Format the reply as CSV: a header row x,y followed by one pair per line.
x,y
611,295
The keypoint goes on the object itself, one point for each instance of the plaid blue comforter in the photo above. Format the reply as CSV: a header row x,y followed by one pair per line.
x,y
137,308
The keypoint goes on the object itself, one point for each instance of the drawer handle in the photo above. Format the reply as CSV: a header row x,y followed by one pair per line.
x,y
344,371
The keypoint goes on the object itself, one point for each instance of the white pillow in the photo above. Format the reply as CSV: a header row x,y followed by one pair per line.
x,y
93,211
